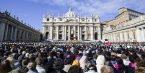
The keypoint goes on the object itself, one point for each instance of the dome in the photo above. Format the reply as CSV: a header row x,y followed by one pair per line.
x,y
70,13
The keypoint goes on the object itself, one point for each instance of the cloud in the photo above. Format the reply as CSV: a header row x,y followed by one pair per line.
x,y
98,7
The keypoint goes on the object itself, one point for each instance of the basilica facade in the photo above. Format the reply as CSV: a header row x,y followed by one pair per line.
x,y
71,27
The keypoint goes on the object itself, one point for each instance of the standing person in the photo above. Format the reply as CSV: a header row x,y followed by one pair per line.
x,y
132,65
100,62
58,66
83,60
92,68
32,67
68,62
5,66
24,68
107,69
39,66
119,66
75,69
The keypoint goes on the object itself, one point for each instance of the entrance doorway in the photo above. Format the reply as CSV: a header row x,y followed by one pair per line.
x,y
46,35
72,37
96,36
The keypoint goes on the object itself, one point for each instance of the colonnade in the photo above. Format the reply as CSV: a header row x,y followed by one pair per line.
x,y
128,35
10,32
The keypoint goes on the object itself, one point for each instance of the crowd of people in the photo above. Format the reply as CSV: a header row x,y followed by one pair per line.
x,y
85,58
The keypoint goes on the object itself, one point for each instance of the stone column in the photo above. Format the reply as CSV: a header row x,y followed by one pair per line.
x,y
19,35
121,37
26,39
137,32
78,36
65,33
11,37
99,32
57,32
131,36
51,33
80,33
128,35
134,36
6,32
125,36
92,32
85,33
43,31
115,37
2,31
143,34
111,37
24,36
68,32
75,32
15,34
118,37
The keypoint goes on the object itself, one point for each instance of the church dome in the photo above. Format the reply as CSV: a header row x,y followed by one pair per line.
x,y
70,13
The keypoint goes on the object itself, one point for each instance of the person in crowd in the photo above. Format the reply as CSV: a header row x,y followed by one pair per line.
x,y
39,66
107,69
140,70
5,66
132,65
24,68
83,60
100,61
76,62
58,66
91,68
32,67
125,59
75,69
119,66
68,63
73,58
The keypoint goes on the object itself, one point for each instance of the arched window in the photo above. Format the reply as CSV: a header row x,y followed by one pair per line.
x,y
47,19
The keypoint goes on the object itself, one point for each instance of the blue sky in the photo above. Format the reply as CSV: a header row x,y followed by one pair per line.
x,y
31,11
